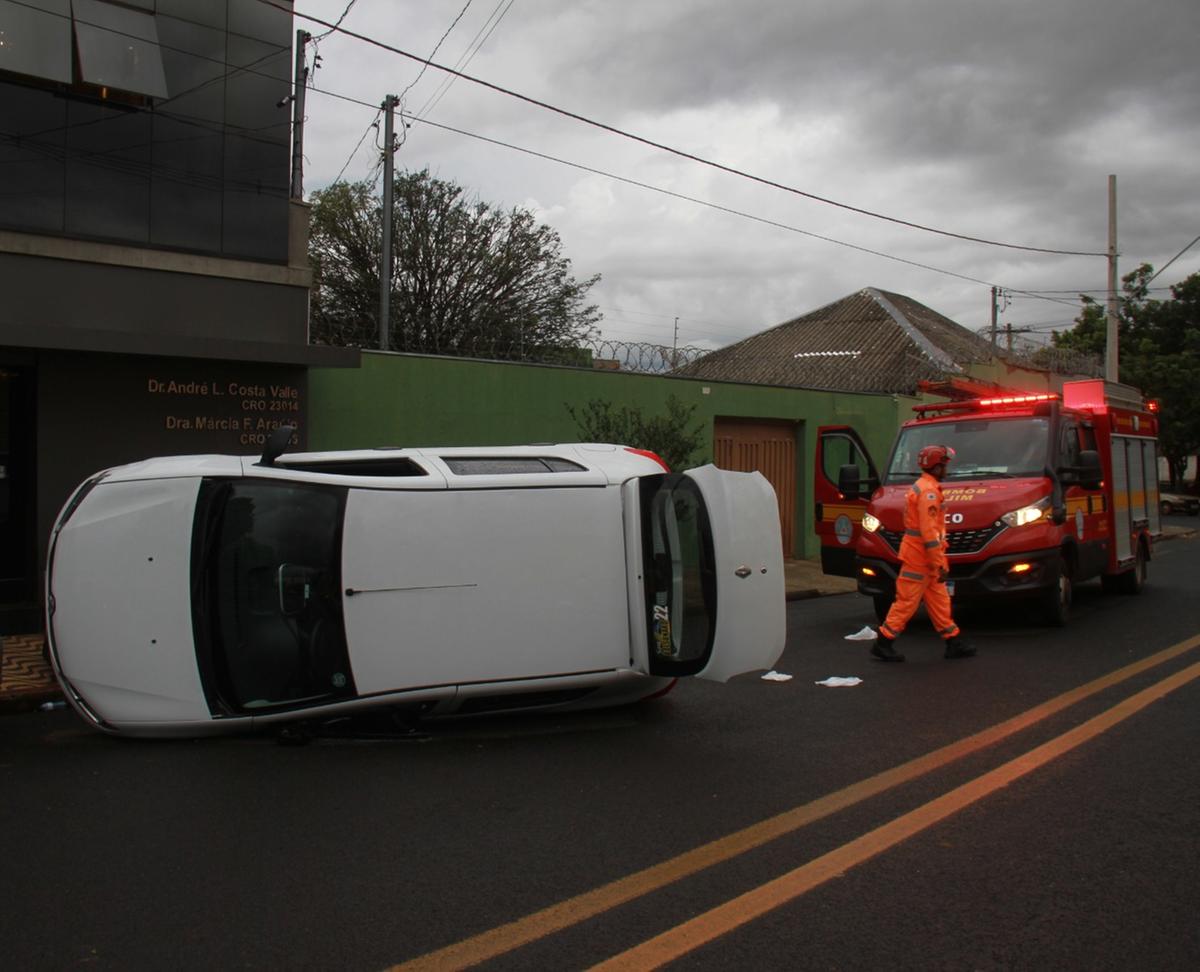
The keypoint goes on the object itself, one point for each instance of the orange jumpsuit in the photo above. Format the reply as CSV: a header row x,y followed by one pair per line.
x,y
922,559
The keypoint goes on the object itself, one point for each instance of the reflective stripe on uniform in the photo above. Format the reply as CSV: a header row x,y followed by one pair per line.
x,y
911,575
912,533
930,544
951,629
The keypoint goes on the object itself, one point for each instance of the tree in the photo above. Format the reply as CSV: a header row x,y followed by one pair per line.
x,y
668,436
467,279
1159,345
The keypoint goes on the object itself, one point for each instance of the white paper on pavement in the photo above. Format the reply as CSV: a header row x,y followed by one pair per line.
x,y
774,676
839,681
867,634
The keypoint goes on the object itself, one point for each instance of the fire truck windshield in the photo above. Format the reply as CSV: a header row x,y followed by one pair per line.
x,y
985,448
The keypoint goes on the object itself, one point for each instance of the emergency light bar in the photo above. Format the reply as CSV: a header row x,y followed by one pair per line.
x,y
1017,399
972,404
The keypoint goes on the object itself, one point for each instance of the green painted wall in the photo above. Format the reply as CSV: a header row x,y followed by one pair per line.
x,y
414,400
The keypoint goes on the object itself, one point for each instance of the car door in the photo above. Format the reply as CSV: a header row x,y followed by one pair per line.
x,y
713,573
837,517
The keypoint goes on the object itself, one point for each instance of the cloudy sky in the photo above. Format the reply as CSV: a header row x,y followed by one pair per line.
x,y
999,120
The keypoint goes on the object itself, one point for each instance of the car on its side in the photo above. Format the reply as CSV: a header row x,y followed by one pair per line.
x,y
1174,503
190,595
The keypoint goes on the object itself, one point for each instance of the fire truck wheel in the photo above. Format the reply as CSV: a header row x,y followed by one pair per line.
x,y
1056,602
1132,581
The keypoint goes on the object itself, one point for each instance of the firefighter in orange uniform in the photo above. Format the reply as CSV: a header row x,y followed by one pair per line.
x,y
923,564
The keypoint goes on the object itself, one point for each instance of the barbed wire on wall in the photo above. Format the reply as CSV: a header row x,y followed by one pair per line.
x,y
1047,357
640,357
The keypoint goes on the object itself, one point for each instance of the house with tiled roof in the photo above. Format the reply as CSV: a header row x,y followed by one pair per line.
x,y
870,341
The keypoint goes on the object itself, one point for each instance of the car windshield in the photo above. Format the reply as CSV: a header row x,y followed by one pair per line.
x,y
680,582
983,448
268,612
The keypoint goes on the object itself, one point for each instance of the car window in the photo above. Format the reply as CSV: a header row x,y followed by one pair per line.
x,y
679,574
355,467
268,613
839,450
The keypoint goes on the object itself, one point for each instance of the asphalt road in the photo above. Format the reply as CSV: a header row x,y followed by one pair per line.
x,y
640,835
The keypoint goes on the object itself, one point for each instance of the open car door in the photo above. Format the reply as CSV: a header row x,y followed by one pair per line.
x,y
838,514
713,569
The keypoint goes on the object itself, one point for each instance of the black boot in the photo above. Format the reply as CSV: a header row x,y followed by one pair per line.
x,y
884,649
957,647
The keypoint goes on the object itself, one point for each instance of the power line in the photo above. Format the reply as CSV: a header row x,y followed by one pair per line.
x,y
613,130
1176,257
362,138
473,48
436,48
349,7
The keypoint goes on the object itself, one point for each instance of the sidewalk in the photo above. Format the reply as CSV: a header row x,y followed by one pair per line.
x,y
26,680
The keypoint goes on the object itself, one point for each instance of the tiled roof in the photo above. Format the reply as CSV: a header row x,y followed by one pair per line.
x,y
871,341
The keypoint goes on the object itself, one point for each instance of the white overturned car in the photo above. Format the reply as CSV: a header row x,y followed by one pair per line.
x,y
197,594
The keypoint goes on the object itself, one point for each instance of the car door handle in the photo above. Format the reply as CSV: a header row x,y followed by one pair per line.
x,y
743,572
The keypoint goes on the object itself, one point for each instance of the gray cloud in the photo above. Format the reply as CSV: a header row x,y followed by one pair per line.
x,y
994,119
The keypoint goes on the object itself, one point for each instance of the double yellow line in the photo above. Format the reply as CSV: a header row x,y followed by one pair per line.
x,y
718,921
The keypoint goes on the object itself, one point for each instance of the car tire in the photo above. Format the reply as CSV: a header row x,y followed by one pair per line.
x,y
1056,602
1165,508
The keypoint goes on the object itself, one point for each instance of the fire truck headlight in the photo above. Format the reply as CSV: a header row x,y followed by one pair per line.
x,y
1028,514
870,523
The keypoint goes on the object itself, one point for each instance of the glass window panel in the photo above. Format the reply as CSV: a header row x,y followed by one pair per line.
x,y
194,67
210,13
118,48
35,38
32,133
253,94
256,198
264,21
108,172
186,184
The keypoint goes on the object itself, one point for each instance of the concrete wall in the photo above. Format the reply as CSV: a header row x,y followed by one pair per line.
x,y
413,400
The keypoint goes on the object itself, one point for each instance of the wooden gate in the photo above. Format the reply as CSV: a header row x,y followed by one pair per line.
x,y
748,445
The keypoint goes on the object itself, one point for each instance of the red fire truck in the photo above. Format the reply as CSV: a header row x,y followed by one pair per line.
x,y
1045,491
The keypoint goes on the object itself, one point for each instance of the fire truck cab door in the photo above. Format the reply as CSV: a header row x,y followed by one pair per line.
x,y
837,515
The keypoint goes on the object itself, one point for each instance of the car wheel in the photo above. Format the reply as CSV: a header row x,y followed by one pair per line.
x,y
1165,508
1056,602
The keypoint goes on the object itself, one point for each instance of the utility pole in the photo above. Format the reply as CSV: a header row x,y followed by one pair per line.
x,y
675,347
994,297
1111,359
300,85
385,263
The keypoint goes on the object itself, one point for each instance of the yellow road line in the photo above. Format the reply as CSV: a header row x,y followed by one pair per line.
x,y
725,918
554,918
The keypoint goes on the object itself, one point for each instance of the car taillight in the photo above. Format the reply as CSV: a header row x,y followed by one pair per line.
x,y
649,455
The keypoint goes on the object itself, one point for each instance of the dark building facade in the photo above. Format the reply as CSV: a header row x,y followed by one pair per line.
x,y
153,270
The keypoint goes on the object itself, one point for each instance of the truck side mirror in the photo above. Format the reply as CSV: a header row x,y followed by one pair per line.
x,y
1090,473
849,485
